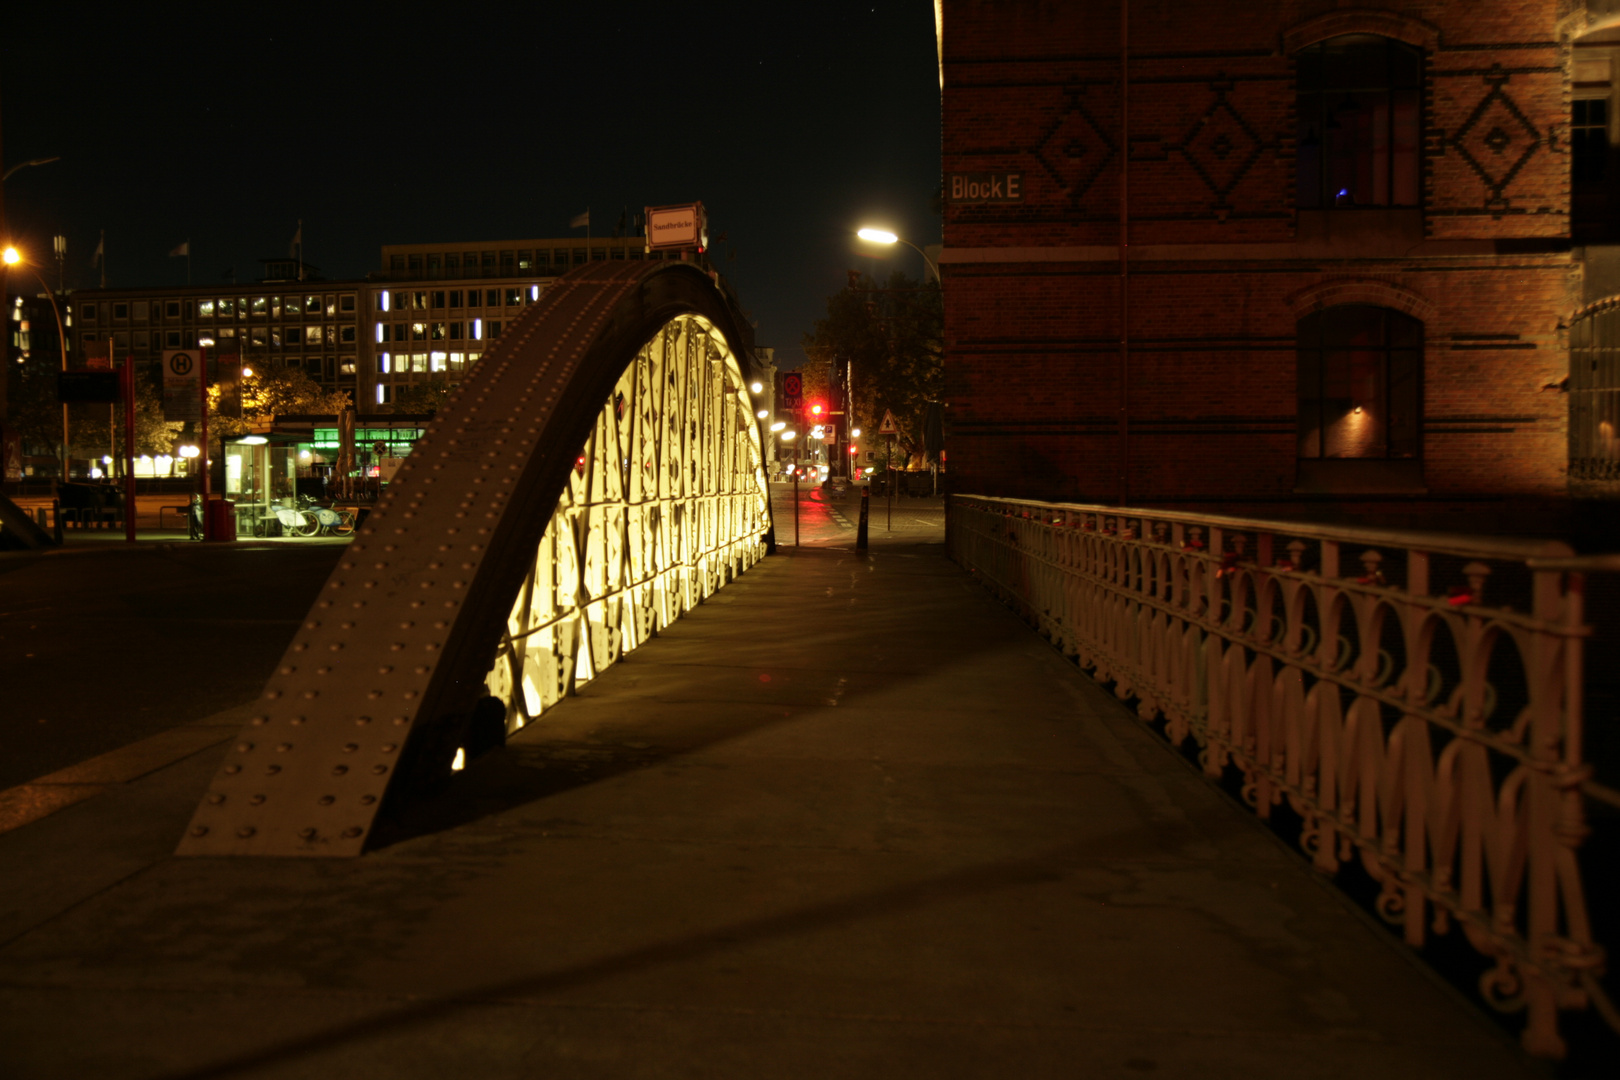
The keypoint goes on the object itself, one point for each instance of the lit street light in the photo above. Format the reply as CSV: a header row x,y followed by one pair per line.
x,y
12,257
885,237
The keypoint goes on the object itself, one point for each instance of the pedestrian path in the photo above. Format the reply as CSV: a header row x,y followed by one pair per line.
x,y
848,818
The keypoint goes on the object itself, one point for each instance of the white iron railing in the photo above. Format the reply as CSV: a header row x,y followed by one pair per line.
x,y
1406,718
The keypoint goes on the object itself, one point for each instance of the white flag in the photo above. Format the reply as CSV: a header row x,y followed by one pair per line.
x,y
580,221
179,249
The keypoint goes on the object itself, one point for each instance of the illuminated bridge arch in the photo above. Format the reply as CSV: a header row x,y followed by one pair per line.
x,y
597,474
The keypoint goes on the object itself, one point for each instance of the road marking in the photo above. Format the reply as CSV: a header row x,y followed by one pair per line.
x,y
27,803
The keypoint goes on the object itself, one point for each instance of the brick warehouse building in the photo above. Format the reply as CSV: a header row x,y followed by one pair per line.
x,y
1350,283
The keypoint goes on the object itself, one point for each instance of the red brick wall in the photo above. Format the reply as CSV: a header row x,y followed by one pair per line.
x,y
1032,335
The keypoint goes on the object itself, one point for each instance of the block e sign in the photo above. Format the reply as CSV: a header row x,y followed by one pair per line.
x,y
985,187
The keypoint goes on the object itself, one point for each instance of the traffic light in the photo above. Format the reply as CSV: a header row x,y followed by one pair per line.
x,y
817,409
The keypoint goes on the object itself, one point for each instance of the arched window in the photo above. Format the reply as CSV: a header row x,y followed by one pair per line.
x,y
1360,383
1359,122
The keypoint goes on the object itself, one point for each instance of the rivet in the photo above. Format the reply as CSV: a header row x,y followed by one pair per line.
x,y
348,625
271,770
322,670
312,624
367,800
284,747
349,748
347,565
385,669
409,694
387,748
359,603
374,694
256,800
259,721
421,669
242,748
350,834
339,770
379,769
233,769
295,721
335,585
245,831
327,800
307,833
396,647
199,830
432,646
399,720
406,625
215,799
335,646
440,625
311,693
325,603
362,721
416,603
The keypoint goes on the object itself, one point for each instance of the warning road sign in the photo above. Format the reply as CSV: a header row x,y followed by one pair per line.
x,y
888,427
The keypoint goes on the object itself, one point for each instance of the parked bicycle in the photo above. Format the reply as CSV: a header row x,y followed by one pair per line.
x,y
309,518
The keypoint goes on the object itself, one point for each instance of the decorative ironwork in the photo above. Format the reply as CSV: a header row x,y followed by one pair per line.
x,y
1594,393
501,538
1412,726
666,504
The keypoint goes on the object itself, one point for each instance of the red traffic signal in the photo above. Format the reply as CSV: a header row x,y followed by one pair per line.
x,y
816,409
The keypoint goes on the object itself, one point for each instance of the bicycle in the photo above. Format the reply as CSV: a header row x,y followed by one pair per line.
x,y
334,522
297,522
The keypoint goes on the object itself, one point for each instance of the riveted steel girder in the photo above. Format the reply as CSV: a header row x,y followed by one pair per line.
x,y
390,673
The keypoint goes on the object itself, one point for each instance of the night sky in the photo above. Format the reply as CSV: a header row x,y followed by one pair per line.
x,y
224,124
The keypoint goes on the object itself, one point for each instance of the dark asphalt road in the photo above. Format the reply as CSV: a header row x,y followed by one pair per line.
x,y
101,648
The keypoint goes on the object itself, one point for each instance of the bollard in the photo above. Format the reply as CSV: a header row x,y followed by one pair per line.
x,y
56,514
860,530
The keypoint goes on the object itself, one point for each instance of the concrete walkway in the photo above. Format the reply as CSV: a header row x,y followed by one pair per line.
x,y
850,818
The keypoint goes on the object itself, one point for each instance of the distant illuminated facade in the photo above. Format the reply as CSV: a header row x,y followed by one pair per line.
x,y
433,307
428,313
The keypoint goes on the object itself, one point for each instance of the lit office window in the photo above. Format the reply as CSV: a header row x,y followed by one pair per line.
x,y
478,329
383,360
436,361
418,362
382,394
382,300
382,332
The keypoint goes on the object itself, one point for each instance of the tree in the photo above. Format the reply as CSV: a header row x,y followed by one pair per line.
x,y
272,392
891,336
422,397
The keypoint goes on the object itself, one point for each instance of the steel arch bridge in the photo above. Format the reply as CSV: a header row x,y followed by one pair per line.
x,y
596,475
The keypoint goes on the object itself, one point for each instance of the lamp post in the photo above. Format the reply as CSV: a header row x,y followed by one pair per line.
x,y
12,257
885,237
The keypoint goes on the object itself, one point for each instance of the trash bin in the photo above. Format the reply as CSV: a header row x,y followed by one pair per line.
x,y
221,520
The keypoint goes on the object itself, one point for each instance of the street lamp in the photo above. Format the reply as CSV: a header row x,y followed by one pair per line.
x,y
885,237
12,257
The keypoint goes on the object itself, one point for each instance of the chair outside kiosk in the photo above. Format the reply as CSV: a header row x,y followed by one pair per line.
x,y
260,475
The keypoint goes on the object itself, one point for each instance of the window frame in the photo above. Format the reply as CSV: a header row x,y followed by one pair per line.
x,y
1318,353
1326,198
